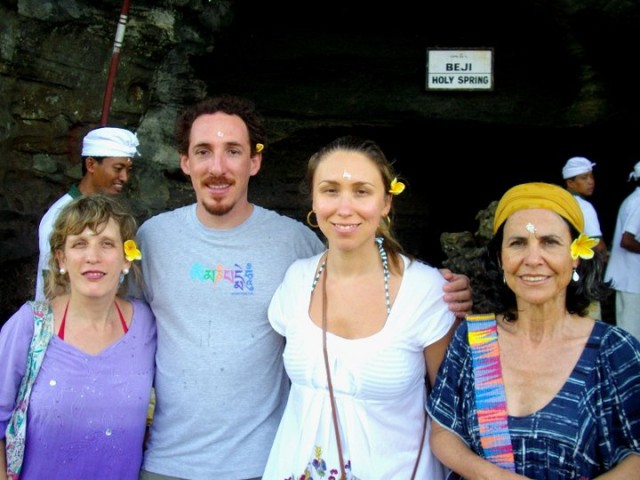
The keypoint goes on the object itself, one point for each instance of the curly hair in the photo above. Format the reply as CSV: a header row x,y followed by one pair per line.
x,y
229,104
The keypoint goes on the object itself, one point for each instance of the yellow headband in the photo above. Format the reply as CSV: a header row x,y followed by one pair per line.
x,y
539,195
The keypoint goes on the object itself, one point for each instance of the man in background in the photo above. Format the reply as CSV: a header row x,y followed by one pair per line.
x,y
623,269
579,180
107,160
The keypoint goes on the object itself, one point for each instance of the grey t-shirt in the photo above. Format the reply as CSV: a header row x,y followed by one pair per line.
x,y
220,382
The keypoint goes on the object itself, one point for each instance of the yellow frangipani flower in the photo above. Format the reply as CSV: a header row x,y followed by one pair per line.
x,y
583,247
396,187
131,251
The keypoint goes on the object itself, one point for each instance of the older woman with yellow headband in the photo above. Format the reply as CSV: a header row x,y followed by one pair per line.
x,y
536,388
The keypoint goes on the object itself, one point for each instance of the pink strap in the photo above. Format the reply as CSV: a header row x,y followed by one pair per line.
x,y
64,320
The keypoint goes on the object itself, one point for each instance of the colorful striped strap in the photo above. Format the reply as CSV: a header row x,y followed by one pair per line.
x,y
490,398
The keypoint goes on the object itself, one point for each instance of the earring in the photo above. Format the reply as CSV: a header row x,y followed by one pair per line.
x,y
124,273
311,224
575,276
62,271
504,279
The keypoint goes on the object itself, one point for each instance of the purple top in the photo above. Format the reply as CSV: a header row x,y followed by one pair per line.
x,y
87,413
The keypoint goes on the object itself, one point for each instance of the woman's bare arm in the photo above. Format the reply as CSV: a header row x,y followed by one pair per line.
x,y
456,455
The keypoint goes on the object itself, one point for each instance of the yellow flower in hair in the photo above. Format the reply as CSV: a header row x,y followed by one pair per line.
x,y
583,247
259,147
131,251
396,187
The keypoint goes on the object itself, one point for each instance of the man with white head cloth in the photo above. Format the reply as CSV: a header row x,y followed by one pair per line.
x,y
107,160
580,182
623,269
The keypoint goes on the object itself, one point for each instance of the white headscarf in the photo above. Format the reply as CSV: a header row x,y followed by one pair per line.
x,y
635,174
577,166
110,142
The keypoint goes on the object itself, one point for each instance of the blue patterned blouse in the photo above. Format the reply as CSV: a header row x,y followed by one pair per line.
x,y
590,426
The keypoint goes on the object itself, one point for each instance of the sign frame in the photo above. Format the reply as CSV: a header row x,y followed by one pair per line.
x,y
459,69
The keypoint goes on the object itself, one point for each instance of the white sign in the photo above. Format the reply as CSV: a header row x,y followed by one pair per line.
x,y
459,69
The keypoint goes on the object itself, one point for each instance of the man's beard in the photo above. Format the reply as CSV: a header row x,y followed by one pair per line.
x,y
218,209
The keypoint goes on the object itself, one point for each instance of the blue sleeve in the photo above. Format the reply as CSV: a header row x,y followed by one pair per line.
x,y
452,401
619,372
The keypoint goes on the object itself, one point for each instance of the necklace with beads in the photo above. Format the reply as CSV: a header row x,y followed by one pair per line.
x,y
385,270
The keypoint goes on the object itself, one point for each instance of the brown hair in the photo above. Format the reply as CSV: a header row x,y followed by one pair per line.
x,y
228,104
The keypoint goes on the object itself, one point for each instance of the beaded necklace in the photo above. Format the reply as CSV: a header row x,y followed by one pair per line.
x,y
385,269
